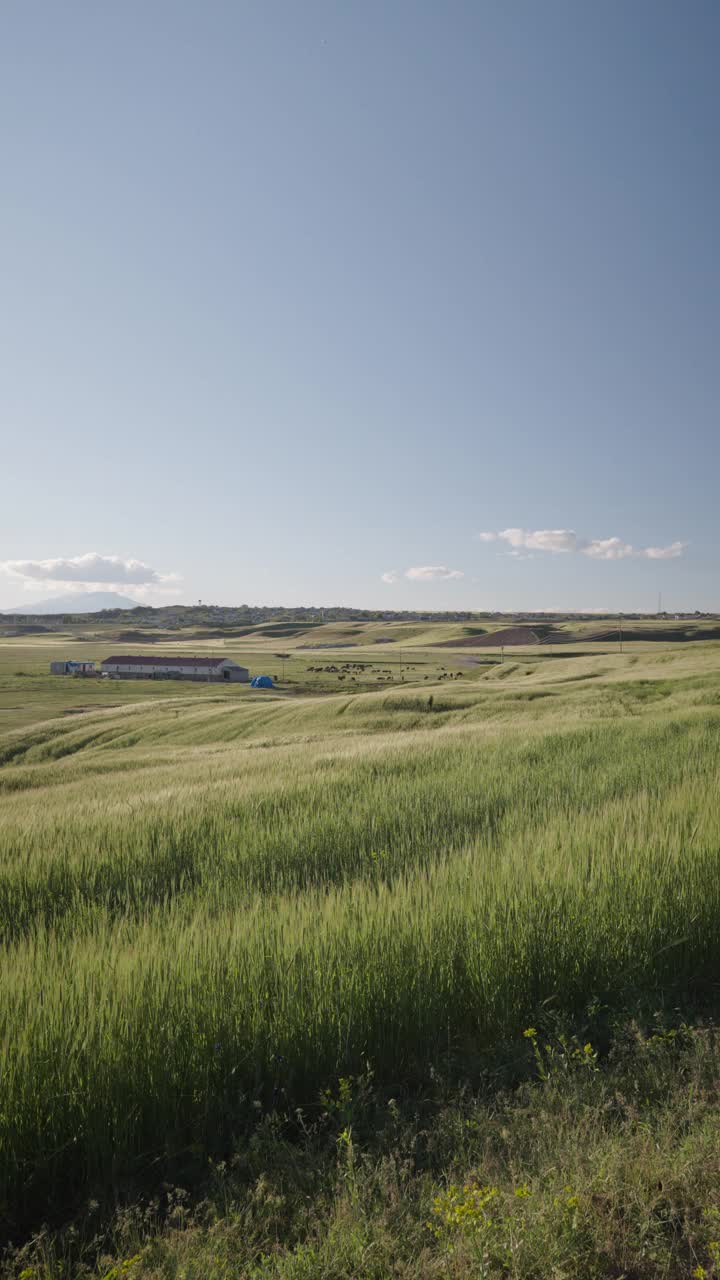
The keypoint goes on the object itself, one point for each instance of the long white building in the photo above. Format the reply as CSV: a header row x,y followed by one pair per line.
x,y
150,667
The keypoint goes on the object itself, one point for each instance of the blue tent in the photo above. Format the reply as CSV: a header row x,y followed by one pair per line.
x,y
262,682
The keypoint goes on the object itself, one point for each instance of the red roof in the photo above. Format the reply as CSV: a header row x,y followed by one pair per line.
x,y
150,660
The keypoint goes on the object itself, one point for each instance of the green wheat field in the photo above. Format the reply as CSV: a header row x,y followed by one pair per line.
x,y
301,918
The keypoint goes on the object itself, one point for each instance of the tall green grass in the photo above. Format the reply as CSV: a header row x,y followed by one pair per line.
x,y
224,926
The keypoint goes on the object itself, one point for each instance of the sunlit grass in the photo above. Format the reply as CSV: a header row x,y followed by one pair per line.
x,y
206,903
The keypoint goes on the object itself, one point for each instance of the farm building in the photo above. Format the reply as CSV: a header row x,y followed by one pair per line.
x,y
72,668
149,667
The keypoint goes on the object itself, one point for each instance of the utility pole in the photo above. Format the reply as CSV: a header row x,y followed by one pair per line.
x,y
621,639
283,657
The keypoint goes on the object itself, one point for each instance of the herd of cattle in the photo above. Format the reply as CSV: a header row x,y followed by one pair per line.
x,y
383,674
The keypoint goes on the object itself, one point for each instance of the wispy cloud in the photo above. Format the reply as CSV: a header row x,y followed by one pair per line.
x,y
423,573
609,549
558,540
432,573
566,541
666,553
87,570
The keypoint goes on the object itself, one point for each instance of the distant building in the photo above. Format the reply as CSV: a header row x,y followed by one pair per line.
x,y
149,667
73,668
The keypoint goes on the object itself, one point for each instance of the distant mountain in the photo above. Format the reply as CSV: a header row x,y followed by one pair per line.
x,y
82,602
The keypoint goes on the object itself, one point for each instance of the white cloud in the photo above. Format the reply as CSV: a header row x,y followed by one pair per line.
x,y
665,553
608,549
562,541
558,540
422,573
87,570
432,573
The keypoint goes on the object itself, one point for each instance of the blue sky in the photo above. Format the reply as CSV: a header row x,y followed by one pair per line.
x,y
297,298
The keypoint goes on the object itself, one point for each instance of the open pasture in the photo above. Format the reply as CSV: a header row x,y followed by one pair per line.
x,y
348,657
210,901
29,694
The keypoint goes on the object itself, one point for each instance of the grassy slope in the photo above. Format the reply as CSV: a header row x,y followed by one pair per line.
x,y
29,694
214,907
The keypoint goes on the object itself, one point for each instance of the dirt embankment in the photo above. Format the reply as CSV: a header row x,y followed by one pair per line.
x,y
493,639
510,636
24,629
140,637
219,633
677,635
